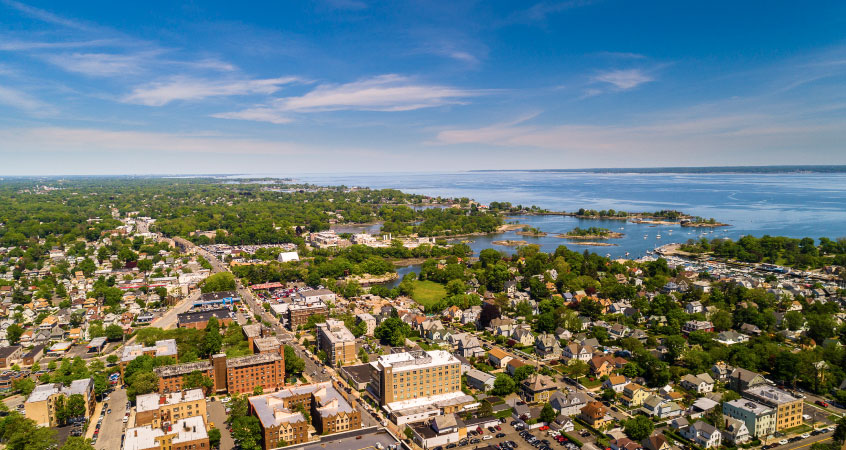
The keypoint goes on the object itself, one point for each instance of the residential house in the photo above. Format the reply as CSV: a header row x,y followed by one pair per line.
x,y
741,379
523,336
482,381
760,420
601,366
537,388
634,395
656,442
547,347
595,414
735,431
731,337
697,325
701,384
660,408
498,358
703,434
569,404
616,383
577,352
694,307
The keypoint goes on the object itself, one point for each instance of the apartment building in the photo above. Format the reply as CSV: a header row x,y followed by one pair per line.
x,y
242,374
412,375
788,408
157,409
298,313
184,434
199,319
337,341
282,419
760,420
369,321
40,406
165,347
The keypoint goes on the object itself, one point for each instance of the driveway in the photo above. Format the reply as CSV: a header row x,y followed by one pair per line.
x,y
217,416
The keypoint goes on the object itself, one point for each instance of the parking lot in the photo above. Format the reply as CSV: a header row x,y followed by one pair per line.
x,y
509,435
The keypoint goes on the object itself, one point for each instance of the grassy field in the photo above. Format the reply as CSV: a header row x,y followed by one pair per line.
x,y
428,293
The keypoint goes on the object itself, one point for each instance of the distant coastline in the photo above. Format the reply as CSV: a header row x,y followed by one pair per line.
x,y
688,170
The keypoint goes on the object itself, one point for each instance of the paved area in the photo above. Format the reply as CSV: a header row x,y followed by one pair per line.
x,y
217,416
112,428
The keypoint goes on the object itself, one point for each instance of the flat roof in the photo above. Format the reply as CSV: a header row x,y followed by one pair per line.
x,y
360,373
260,358
151,402
186,430
349,440
203,316
336,331
405,361
97,342
423,404
271,410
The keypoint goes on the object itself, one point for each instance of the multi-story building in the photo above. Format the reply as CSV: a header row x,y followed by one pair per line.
x,y
242,374
157,409
369,322
316,296
760,420
298,313
537,388
184,434
10,356
282,417
165,347
337,341
411,375
199,319
40,406
788,408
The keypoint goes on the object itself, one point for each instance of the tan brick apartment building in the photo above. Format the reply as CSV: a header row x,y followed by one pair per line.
x,y
281,418
298,313
337,341
411,375
157,409
788,408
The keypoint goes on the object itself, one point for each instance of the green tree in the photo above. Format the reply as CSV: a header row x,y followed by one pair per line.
x,y
363,356
112,359
246,431
24,385
393,331
523,372
197,380
142,383
214,438
20,433
77,443
213,340
75,406
114,332
548,413
13,333
638,427
223,281
294,365
503,385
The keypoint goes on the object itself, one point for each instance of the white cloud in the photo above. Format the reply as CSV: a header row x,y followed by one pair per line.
x,y
185,88
100,64
382,93
18,45
72,140
46,16
23,101
256,114
624,79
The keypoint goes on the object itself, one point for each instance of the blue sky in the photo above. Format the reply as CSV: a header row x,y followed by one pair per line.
x,y
359,85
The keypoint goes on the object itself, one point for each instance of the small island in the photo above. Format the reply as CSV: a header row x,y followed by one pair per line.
x,y
594,244
591,233
531,231
510,243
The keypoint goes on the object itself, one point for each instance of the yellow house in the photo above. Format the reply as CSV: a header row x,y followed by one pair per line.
x,y
634,395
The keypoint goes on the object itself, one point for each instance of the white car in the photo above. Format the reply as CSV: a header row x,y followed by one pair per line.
x,y
805,435
487,437
782,442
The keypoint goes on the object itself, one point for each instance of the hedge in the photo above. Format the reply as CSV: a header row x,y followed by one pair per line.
x,y
575,441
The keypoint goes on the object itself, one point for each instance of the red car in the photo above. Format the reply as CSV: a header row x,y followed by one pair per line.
x,y
544,428
822,403
498,428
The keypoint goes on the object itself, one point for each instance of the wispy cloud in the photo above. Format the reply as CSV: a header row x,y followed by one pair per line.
x,y
260,114
624,79
382,93
25,102
539,11
101,64
621,55
186,88
46,16
353,5
18,45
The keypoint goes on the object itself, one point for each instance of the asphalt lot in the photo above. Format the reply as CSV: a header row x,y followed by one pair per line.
x,y
112,428
217,415
513,435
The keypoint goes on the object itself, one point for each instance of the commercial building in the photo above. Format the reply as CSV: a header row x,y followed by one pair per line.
x,y
282,419
165,347
316,296
242,374
183,434
298,313
217,299
40,406
788,408
10,356
157,409
337,341
760,420
199,319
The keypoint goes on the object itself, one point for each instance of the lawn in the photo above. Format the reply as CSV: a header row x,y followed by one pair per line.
x,y
428,293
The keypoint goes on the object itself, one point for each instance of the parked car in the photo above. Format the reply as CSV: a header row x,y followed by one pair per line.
x,y
821,403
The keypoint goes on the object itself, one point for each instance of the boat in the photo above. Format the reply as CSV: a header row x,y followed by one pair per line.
x,y
627,254
645,236
657,236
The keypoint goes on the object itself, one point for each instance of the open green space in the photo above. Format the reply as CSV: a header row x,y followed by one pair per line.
x,y
428,293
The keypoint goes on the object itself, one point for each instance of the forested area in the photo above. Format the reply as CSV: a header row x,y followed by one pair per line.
x,y
803,253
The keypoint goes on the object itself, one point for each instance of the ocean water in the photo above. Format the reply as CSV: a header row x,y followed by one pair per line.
x,y
794,205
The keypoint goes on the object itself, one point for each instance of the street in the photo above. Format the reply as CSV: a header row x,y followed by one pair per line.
x,y
112,428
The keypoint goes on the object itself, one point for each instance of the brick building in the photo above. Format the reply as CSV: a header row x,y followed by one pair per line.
x,y
337,341
199,319
157,409
282,419
298,313
241,374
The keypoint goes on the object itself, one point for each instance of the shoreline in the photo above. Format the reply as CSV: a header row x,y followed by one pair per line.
x,y
609,235
510,243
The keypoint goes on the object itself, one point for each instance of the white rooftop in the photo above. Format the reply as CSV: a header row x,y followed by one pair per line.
x,y
415,360
421,404
150,402
166,347
186,430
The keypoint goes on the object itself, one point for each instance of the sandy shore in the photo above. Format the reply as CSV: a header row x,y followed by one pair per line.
x,y
530,234
510,243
